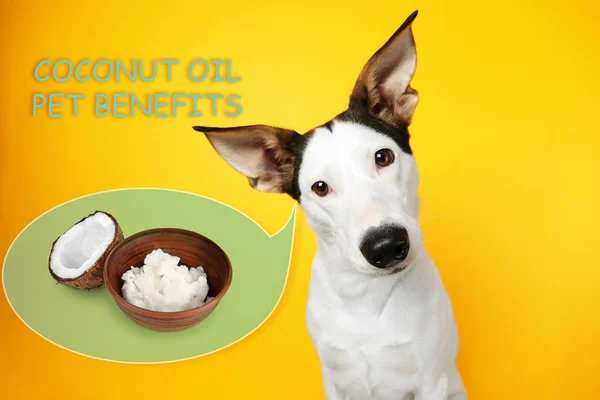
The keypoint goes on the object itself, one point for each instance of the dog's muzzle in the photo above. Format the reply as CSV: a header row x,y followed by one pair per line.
x,y
385,246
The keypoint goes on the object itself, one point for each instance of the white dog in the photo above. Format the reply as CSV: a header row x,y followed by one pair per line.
x,y
378,314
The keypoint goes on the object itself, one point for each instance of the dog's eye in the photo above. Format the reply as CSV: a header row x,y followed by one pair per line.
x,y
384,157
320,188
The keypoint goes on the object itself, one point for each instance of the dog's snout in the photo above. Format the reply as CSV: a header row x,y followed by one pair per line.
x,y
384,246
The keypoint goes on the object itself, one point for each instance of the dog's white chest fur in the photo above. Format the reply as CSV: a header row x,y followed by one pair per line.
x,y
389,338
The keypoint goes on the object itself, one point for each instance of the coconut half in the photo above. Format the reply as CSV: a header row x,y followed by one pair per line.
x,y
77,256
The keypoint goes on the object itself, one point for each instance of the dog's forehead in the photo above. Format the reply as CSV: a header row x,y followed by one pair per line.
x,y
339,146
343,142
340,139
351,130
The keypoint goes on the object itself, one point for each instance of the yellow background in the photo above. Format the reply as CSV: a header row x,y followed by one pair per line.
x,y
506,137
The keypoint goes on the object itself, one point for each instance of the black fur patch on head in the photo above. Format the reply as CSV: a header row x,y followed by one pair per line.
x,y
359,114
297,146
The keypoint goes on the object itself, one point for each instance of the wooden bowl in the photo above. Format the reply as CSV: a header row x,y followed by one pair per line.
x,y
193,249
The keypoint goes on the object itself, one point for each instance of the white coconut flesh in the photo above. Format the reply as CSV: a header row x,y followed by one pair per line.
x,y
80,247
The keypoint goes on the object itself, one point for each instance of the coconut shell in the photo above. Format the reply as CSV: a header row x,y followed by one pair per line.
x,y
93,277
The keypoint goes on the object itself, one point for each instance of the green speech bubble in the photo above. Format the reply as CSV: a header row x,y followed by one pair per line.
x,y
91,324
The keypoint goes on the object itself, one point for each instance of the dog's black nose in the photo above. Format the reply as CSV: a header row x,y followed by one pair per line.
x,y
385,245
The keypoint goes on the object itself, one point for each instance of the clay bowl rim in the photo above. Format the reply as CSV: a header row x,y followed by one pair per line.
x,y
158,314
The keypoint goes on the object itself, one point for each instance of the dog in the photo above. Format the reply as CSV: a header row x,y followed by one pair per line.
x,y
377,312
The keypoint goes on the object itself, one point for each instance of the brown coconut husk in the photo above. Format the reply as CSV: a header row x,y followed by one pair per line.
x,y
93,277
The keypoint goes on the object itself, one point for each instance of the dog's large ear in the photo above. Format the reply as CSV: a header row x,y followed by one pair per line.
x,y
262,153
383,87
